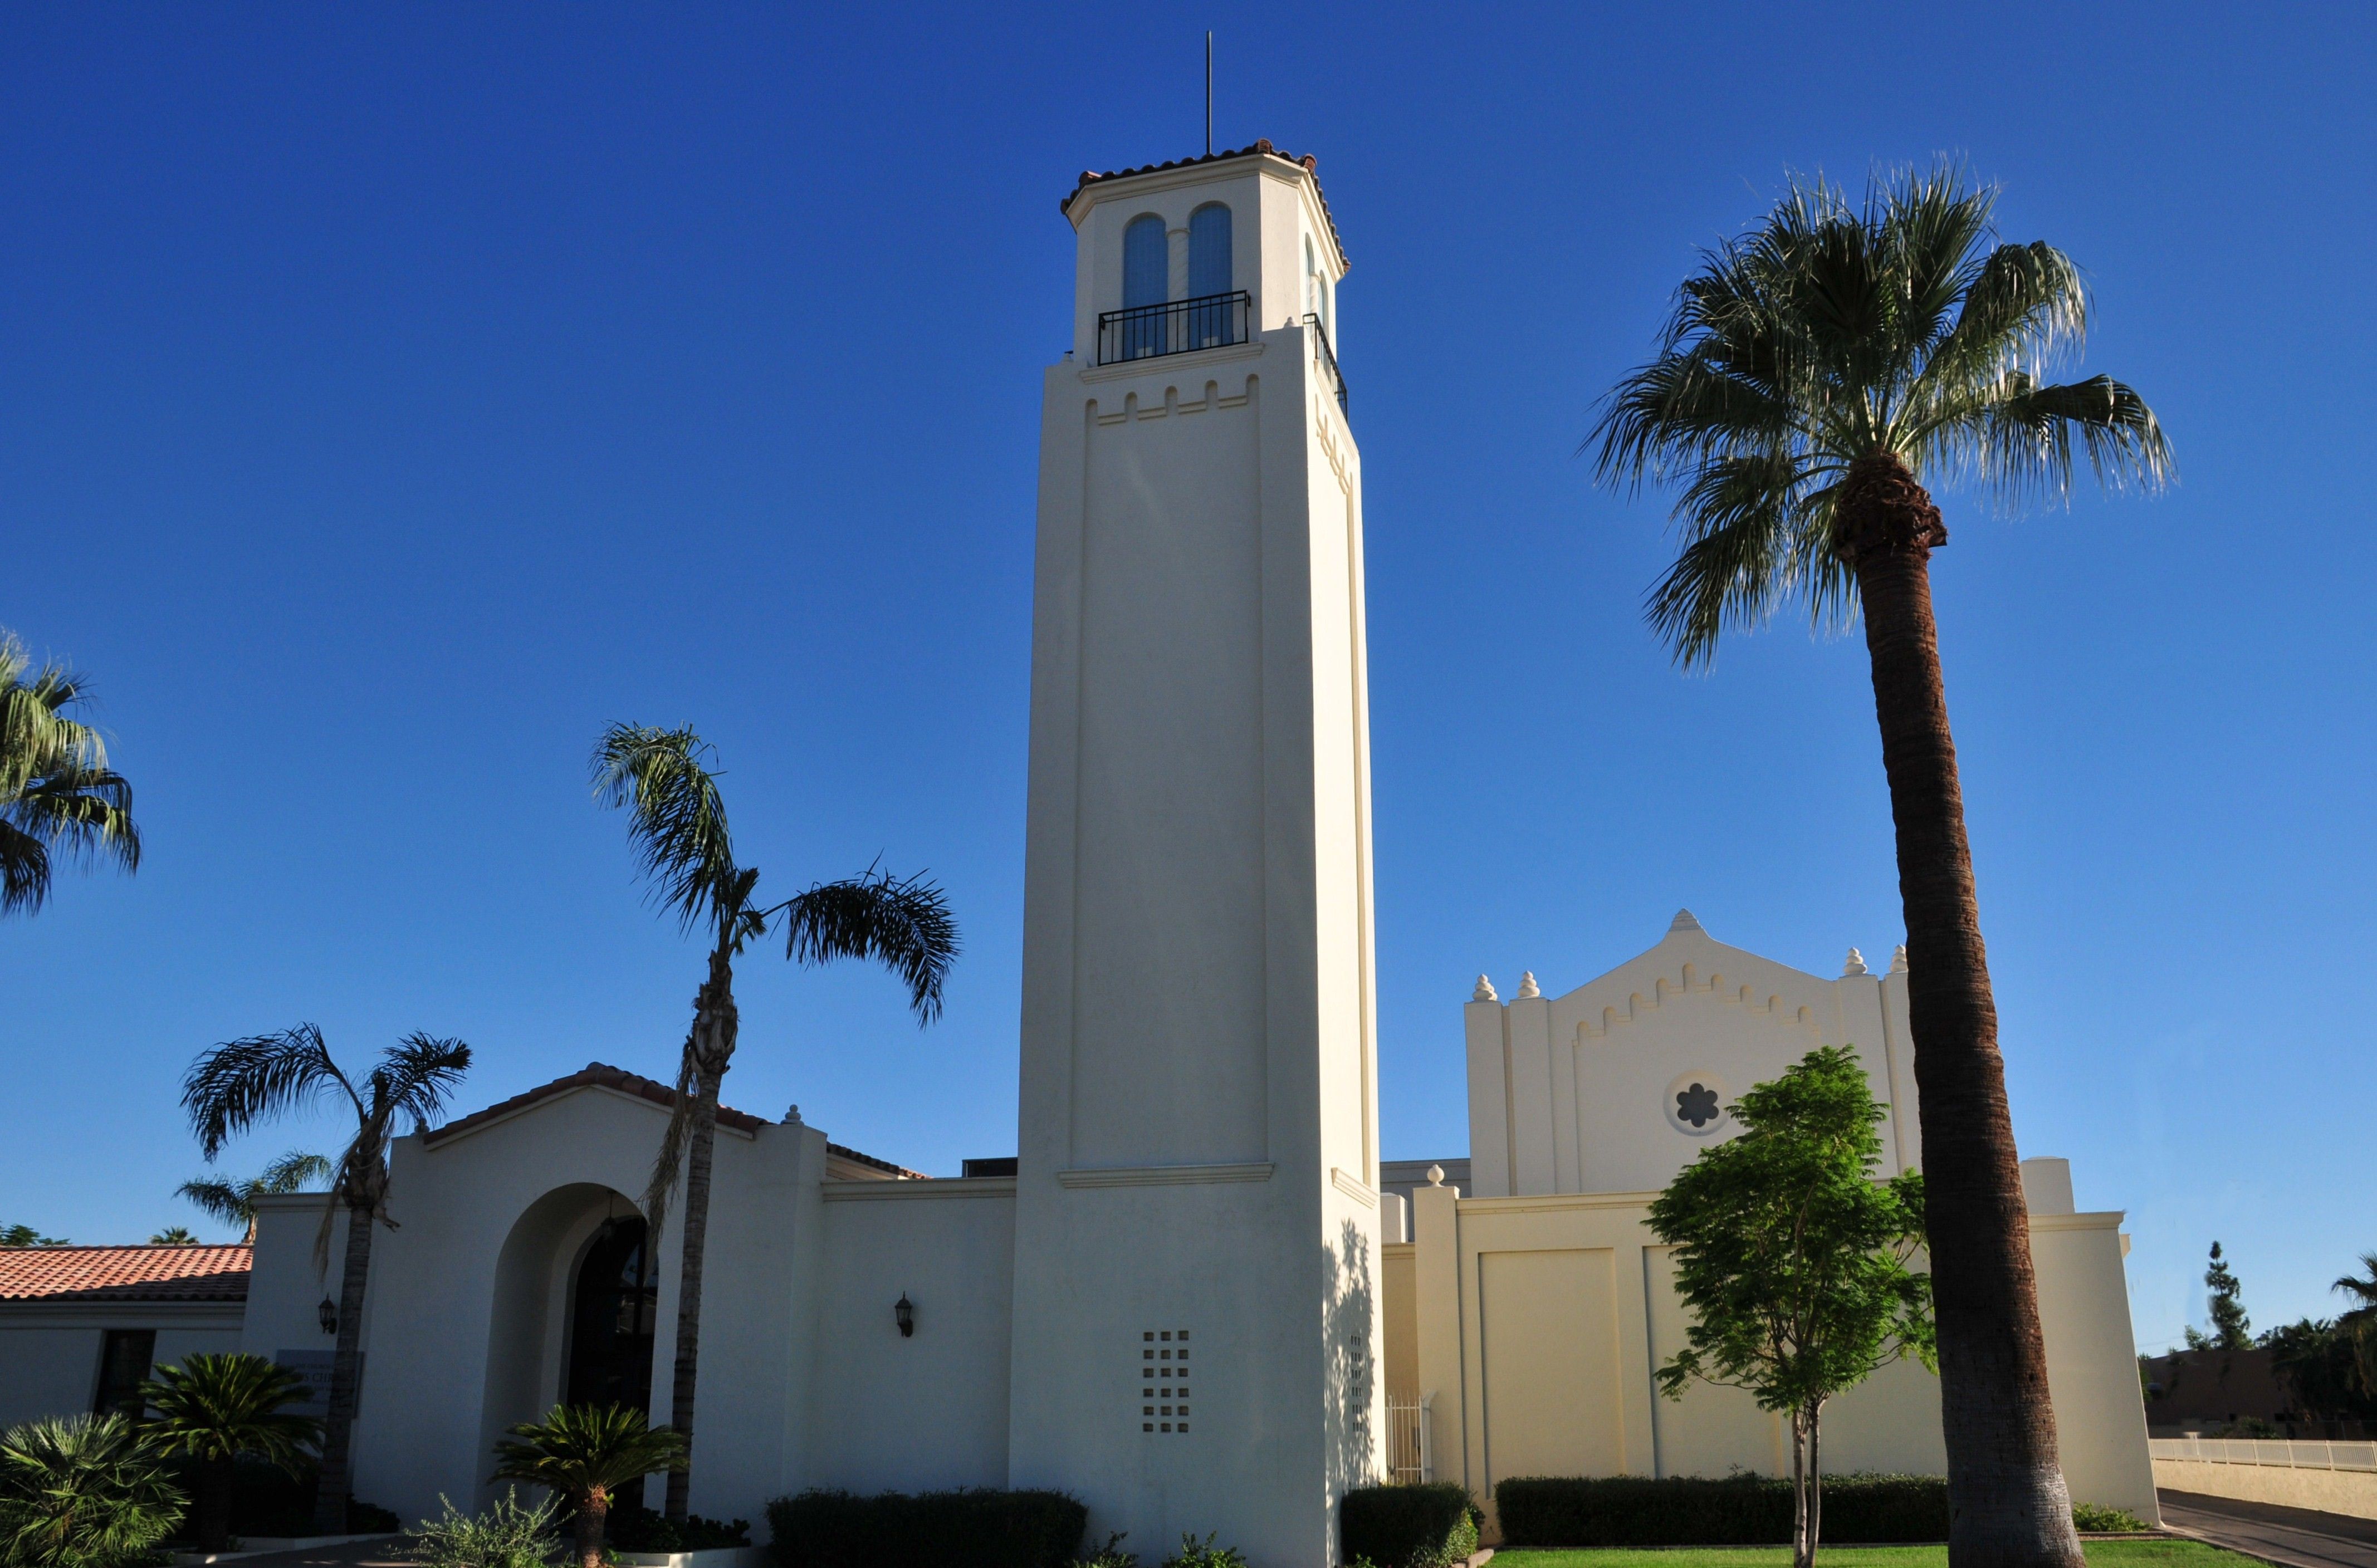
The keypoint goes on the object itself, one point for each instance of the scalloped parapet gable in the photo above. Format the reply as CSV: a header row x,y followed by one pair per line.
x,y
1607,1087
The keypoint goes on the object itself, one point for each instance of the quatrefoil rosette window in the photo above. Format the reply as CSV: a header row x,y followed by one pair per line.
x,y
1695,1103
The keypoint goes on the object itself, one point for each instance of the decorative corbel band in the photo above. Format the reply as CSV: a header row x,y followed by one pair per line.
x,y
1353,1188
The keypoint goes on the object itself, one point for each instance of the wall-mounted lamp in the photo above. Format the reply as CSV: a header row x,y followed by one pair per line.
x,y
328,1313
904,1311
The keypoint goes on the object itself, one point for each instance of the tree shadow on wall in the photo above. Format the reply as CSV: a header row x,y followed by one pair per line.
x,y
1353,1362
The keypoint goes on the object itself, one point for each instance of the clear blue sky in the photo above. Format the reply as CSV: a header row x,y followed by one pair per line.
x,y
389,397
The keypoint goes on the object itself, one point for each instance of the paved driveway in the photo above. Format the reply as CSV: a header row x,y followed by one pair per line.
x,y
2296,1538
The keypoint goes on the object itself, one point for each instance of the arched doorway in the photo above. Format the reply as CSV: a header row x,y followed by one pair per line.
x,y
614,1303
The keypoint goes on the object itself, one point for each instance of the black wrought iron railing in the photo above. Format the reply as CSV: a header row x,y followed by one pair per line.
x,y
1175,327
1329,357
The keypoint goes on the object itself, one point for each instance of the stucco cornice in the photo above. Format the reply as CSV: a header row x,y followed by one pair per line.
x,y
918,1192
2106,1219
1163,1175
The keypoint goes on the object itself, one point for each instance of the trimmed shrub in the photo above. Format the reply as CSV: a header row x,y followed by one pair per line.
x,y
646,1529
1736,1511
1427,1526
971,1529
2097,1520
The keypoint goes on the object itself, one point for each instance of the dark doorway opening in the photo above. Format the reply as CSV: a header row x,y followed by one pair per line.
x,y
612,1309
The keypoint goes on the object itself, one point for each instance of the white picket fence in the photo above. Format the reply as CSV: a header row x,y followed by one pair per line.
x,y
2283,1452
1408,1441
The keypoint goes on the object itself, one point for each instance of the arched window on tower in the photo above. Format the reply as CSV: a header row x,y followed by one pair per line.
x,y
1209,251
1315,287
1146,281
1209,323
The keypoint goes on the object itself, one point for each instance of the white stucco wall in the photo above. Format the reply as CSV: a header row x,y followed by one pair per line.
x,y
1541,1320
50,1355
928,1410
1198,1114
490,1224
1576,1093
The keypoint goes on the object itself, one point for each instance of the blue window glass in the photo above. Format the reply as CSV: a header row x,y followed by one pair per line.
x,y
1209,251
1146,263
1146,282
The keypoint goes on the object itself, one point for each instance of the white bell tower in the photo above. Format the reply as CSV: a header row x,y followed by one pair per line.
x,y
1197,1329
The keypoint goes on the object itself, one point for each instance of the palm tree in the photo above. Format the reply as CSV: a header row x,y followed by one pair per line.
x,y
1814,375
82,1492
174,1236
677,822
585,1453
216,1409
57,793
234,1202
241,1082
26,1236
2359,1324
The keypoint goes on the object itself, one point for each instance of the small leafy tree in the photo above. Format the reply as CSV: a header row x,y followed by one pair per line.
x,y
2231,1329
586,1453
26,1236
216,1409
1792,1259
85,1493
234,1202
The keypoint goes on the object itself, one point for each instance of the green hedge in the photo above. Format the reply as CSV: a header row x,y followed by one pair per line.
x,y
980,1529
1407,1526
1737,1511
646,1529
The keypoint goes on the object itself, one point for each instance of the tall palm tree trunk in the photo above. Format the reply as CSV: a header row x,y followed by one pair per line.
x,y
713,1042
2007,1504
332,1490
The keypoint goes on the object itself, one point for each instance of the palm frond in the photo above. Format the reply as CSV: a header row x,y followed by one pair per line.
x,y
677,818
218,1198
903,925
1830,332
415,1074
24,871
85,812
242,1082
587,1451
293,1172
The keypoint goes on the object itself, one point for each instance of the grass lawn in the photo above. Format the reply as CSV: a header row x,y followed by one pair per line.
x,y
2153,1553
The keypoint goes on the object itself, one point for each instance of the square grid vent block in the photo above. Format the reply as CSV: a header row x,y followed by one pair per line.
x,y
1163,1382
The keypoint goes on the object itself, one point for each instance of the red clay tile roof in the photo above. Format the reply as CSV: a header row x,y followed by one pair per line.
x,y
624,1082
124,1273
594,1072
1261,149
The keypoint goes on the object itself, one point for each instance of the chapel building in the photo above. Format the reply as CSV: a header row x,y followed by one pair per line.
x,y
1194,1297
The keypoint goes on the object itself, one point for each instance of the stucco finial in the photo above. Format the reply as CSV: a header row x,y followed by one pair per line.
x,y
1436,1175
792,1116
1484,992
1898,959
1853,964
1683,921
1528,991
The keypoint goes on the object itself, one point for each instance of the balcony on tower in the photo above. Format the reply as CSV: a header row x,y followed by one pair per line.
x,y
1206,254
